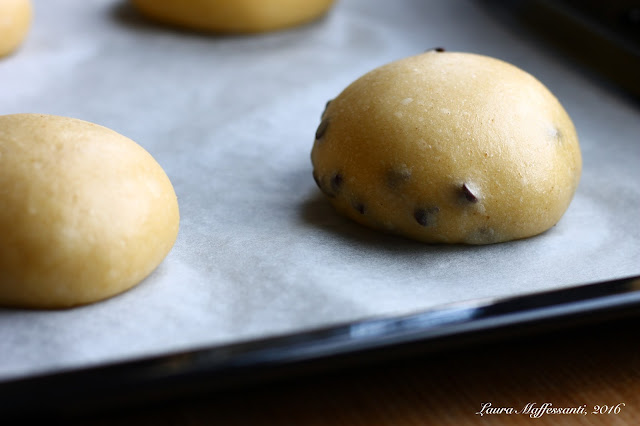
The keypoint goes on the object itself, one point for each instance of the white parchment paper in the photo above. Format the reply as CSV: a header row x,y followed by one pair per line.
x,y
260,252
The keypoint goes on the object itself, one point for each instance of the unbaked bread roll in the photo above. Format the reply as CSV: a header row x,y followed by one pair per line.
x,y
15,20
85,213
233,16
448,148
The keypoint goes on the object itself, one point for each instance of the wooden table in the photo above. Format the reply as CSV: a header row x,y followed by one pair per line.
x,y
597,365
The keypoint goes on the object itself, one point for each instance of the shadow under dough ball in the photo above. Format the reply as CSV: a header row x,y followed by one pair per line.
x,y
448,147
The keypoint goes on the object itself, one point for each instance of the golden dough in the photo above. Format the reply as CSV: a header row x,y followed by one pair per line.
x,y
233,16
85,213
15,20
448,148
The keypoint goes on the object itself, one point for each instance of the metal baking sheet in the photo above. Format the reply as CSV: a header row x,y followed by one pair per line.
x,y
260,253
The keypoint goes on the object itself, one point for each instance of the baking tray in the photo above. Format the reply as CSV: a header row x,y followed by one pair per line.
x,y
265,277
178,376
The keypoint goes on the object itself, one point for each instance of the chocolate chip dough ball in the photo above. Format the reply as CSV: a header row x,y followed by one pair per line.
x,y
233,16
448,148
15,20
85,213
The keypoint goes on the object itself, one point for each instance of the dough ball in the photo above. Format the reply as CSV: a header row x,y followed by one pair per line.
x,y
15,20
233,16
448,148
85,213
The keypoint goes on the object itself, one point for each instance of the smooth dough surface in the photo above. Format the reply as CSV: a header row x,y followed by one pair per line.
x,y
448,148
85,213
233,16
15,20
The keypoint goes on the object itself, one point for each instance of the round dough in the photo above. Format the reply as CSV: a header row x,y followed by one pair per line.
x,y
85,213
15,19
448,148
233,16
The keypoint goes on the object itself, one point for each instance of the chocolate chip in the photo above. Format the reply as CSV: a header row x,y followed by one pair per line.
x,y
425,216
436,49
315,178
321,184
359,207
322,128
397,176
336,182
325,108
467,194
484,235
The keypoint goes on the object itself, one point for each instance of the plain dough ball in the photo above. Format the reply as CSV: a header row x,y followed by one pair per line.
x,y
234,16
85,213
448,148
15,20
